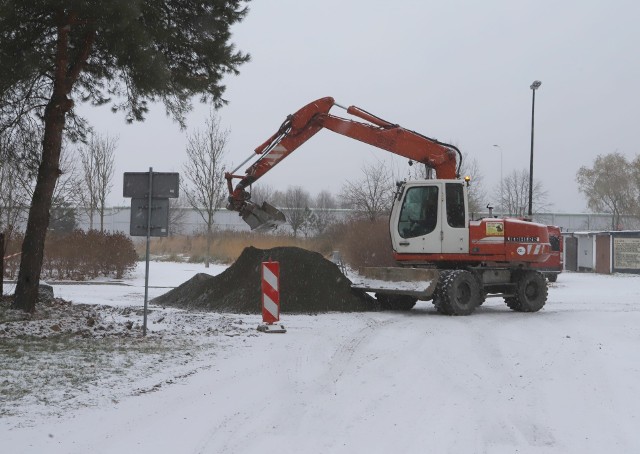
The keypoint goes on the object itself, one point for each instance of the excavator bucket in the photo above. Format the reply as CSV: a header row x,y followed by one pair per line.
x,y
417,282
262,218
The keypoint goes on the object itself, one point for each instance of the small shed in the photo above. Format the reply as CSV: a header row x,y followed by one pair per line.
x,y
604,252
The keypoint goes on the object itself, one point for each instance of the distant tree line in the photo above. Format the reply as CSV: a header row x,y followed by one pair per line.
x,y
612,185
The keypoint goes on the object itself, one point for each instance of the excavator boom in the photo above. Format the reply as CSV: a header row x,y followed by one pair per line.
x,y
304,124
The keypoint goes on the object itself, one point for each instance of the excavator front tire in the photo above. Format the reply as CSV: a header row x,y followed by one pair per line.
x,y
530,293
457,293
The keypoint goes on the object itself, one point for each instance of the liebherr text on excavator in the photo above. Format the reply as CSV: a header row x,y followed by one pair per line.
x,y
459,261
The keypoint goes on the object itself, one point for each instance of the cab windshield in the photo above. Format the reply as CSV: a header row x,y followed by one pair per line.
x,y
419,213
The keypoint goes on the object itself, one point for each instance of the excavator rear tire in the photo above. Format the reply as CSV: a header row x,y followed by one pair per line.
x,y
395,302
457,293
530,294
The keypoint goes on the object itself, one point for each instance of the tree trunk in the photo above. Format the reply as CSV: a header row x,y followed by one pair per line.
x,y
33,245
209,231
65,74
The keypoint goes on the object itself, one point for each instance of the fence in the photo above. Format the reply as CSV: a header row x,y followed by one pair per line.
x,y
187,220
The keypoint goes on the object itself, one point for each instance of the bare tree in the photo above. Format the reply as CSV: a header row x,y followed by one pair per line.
x,y
66,193
373,194
88,198
14,199
204,171
322,215
469,167
278,198
515,194
610,185
635,172
67,186
262,193
98,168
308,223
178,214
296,204
477,193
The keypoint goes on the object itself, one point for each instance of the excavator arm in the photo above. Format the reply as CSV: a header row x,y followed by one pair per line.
x,y
305,123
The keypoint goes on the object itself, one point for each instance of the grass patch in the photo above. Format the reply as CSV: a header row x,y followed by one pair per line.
x,y
226,246
52,375
362,243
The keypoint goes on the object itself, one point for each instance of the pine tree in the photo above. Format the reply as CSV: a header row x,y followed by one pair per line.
x,y
128,53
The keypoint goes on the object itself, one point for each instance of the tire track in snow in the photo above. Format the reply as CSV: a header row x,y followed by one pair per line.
x,y
345,353
309,388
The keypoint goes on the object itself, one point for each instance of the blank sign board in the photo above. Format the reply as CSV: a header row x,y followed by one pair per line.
x,y
159,217
164,184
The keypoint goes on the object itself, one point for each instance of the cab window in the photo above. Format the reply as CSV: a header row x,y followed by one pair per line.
x,y
455,205
419,213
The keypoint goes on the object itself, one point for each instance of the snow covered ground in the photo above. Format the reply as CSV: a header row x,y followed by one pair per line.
x,y
564,380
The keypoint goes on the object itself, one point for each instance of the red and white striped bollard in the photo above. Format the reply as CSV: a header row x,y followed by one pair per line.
x,y
271,298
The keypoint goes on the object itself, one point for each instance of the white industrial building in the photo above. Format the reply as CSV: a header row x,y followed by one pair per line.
x,y
187,221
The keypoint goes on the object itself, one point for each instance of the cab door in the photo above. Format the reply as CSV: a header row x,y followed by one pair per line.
x,y
455,219
416,225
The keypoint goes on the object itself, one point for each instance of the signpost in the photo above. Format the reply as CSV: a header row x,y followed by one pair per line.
x,y
150,193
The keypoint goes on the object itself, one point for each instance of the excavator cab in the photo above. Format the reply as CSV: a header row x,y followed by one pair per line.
x,y
431,217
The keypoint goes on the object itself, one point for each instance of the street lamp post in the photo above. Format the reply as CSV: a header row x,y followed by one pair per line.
x,y
501,194
534,86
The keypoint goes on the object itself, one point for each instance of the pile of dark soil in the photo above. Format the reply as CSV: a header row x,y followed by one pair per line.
x,y
308,284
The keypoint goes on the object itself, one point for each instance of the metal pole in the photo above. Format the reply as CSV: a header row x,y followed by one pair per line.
x,y
533,108
534,86
146,273
501,186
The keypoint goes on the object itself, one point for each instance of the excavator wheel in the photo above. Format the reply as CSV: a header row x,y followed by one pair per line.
x,y
458,293
483,292
530,293
395,302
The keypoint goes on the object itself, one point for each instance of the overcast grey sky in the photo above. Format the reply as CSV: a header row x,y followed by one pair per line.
x,y
458,71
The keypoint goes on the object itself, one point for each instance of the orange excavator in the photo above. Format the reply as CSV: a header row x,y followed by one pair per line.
x,y
449,258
